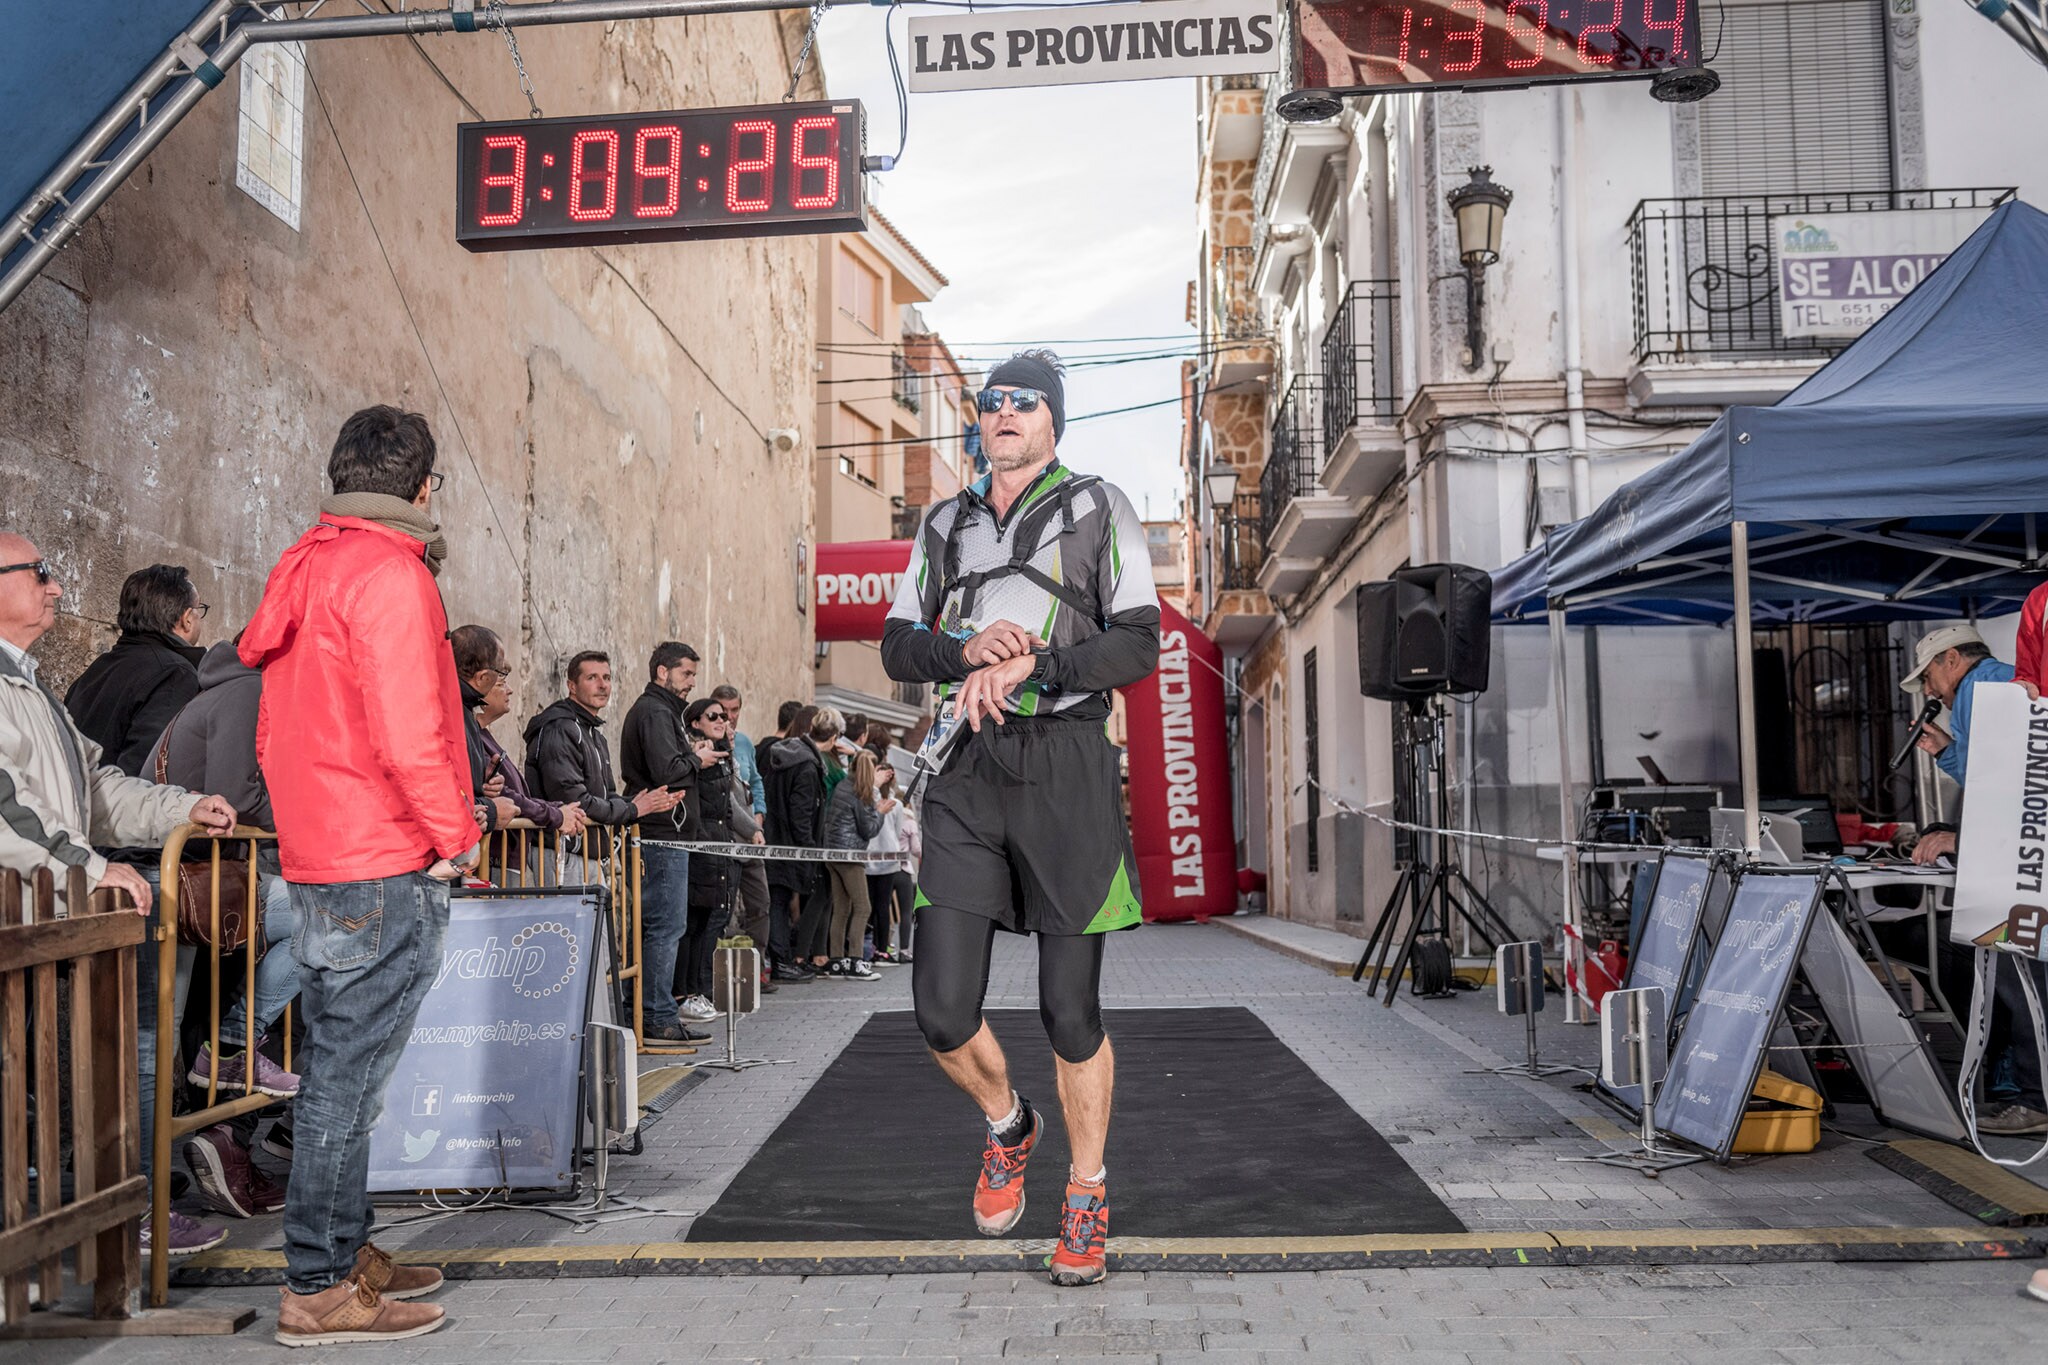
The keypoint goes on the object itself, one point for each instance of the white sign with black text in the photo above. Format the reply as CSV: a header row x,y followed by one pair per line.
x,y
1840,272
993,49
2002,851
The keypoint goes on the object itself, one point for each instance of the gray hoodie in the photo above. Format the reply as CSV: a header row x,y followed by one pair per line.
x,y
213,739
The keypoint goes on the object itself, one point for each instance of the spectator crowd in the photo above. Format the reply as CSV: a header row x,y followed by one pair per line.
x,y
347,718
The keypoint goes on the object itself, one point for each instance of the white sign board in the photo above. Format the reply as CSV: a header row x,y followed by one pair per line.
x,y
992,49
2002,851
1840,272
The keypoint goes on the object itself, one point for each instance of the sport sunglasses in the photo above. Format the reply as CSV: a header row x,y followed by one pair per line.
x,y
41,568
1023,400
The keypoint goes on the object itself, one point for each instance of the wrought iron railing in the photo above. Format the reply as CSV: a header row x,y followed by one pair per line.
x,y
1359,349
1706,277
1294,456
1235,303
907,381
1240,549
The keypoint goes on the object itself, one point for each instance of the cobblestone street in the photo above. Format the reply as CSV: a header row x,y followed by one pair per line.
x,y
1486,1144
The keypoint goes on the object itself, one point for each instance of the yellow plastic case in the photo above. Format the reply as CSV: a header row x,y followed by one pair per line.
x,y
1782,1116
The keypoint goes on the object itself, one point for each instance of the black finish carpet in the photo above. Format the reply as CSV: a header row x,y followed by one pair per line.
x,y
1219,1130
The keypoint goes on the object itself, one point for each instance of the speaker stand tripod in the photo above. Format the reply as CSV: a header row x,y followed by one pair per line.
x,y
1433,885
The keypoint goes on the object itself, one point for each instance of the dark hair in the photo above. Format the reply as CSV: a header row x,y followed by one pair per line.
x,y
1973,649
382,450
725,692
476,648
588,656
800,722
786,713
694,712
153,599
668,654
856,726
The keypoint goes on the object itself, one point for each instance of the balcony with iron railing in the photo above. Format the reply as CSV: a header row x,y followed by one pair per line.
x,y
1709,321
906,383
1239,611
1240,350
1361,391
1299,520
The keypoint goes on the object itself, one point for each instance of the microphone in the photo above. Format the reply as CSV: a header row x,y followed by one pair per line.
x,y
1927,713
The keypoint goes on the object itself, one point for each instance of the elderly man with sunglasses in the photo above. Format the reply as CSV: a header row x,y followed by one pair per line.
x,y
59,798
1028,599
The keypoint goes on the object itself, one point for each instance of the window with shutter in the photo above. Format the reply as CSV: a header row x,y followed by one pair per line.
x,y
1804,103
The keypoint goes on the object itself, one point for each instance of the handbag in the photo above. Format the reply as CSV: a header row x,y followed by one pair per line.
x,y
195,883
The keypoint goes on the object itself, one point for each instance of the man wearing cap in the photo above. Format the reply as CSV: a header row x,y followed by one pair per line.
x,y
1948,665
1028,599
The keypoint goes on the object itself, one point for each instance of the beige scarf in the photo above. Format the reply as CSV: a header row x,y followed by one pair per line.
x,y
395,513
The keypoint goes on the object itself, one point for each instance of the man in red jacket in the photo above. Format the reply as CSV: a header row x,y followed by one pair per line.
x,y
2030,651
361,743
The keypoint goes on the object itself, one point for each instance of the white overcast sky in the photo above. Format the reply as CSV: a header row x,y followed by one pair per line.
x,y
1063,212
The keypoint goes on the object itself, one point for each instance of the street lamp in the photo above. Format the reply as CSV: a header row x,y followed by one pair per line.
x,y
1221,484
1480,206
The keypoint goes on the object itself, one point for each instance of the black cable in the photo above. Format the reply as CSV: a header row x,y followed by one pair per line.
x,y
935,440
896,74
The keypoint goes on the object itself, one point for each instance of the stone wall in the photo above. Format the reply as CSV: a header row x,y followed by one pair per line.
x,y
173,384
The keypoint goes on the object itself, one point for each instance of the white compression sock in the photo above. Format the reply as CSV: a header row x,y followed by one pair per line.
x,y
1016,1111
1095,1179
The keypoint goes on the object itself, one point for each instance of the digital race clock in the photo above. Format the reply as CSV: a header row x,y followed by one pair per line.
x,y
1354,46
661,177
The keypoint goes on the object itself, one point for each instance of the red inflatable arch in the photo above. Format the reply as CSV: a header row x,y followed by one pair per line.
x,y
1179,753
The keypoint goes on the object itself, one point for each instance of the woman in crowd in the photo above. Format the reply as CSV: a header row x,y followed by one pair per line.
x,y
892,871
852,818
496,784
714,881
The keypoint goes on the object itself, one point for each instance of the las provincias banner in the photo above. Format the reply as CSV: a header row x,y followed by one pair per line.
x,y
2002,850
1181,822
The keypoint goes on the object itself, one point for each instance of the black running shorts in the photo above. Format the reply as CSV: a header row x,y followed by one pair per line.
x,y
1025,825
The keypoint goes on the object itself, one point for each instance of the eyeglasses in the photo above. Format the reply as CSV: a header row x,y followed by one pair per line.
x,y
1023,400
434,482
41,568
202,608
712,715
504,674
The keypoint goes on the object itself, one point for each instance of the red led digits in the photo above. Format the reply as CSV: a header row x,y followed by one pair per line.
x,y
1674,51
1377,31
1604,57
513,180
827,161
763,166
663,171
583,174
1531,43
1475,36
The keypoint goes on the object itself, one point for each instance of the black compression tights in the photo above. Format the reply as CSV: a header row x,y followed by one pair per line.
x,y
949,979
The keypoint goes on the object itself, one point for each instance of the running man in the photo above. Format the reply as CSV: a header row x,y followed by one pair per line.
x,y
1029,597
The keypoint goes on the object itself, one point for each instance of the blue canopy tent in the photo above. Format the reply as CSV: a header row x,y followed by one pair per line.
x,y
1906,479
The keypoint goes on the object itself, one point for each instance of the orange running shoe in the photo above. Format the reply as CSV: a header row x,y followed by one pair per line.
x,y
1082,1256
999,1193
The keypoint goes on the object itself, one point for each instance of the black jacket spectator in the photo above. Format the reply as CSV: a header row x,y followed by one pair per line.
x,y
566,760
713,880
487,757
849,821
795,773
125,698
654,751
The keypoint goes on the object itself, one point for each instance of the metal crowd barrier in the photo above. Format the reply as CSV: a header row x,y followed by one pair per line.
x,y
87,944
171,1126
523,854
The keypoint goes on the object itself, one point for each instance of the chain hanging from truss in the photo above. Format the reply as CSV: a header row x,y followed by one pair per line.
x,y
497,8
803,56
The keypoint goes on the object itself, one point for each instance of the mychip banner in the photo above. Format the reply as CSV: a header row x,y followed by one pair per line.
x,y
993,48
1840,272
2002,851
487,1093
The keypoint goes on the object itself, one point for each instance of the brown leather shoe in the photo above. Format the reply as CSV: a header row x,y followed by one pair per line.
x,y
350,1311
376,1269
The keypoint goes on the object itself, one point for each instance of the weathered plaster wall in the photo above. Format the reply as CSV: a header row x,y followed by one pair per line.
x,y
173,385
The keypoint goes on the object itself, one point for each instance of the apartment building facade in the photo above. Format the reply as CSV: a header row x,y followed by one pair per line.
x,y
1351,413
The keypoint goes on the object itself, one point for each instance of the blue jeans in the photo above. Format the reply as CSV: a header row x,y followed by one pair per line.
x,y
277,973
367,953
664,919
